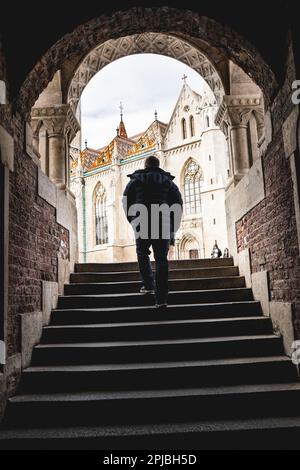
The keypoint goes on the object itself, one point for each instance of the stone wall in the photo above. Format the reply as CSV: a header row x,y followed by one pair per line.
x,y
36,239
42,244
269,230
42,249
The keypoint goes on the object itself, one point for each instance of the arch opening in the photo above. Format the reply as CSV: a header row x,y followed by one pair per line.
x,y
153,43
190,248
215,65
204,33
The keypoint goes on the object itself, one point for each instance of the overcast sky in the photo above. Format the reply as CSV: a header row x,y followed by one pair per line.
x,y
144,83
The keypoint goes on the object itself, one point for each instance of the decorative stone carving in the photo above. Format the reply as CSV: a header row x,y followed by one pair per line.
x,y
61,126
236,110
76,186
154,43
57,120
233,117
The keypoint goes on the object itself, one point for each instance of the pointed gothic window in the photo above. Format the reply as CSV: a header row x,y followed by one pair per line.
x,y
100,216
192,126
192,188
183,125
207,121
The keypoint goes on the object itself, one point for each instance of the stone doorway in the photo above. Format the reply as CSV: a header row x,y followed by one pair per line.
x,y
260,204
194,254
190,248
244,87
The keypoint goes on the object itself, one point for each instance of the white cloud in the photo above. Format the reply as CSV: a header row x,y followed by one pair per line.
x,y
144,83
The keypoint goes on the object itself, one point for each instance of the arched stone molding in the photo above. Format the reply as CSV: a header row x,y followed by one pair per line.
x,y
151,43
185,166
188,242
204,33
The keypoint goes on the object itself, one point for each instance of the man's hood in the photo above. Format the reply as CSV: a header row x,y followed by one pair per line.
x,y
155,176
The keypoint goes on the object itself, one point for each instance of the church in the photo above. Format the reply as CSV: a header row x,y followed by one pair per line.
x,y
190,146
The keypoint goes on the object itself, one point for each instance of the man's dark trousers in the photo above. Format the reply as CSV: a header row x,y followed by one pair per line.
x,y
160,250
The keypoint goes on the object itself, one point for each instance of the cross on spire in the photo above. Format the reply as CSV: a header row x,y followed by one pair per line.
x,y
121,132
121,110
184,78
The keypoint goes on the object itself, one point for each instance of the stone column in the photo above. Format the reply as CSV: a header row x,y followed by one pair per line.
x,y
62,126
42,140
230,159
78,189
35,126
114,201
57,160
233,117
239,140
35,143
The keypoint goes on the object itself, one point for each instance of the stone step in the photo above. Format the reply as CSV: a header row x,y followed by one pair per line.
x,y
159,350
85,277
136,299
157,330
150,313
205,371
174,285
272,433
153,406
133,266
159,375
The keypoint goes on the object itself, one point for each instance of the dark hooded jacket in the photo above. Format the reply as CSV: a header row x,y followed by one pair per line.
x,y
152,186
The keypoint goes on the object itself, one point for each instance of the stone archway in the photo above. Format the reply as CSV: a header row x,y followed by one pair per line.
x,y
205,34
196,40
151,43
189,247
264,211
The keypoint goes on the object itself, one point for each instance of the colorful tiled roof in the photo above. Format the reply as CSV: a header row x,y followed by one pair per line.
x,y
125,147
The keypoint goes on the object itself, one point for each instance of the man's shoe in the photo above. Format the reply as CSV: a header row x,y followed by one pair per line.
x,y
161,306
143,290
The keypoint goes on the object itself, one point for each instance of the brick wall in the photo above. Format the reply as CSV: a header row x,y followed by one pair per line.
x,y
35,241
269,230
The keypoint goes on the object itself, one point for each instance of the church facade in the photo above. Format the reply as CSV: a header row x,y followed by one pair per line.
x,y
191,147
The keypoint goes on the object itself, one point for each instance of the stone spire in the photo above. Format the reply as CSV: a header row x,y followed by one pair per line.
x,y
122,129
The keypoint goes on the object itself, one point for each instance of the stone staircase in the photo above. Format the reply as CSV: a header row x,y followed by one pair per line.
x,y
112,372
